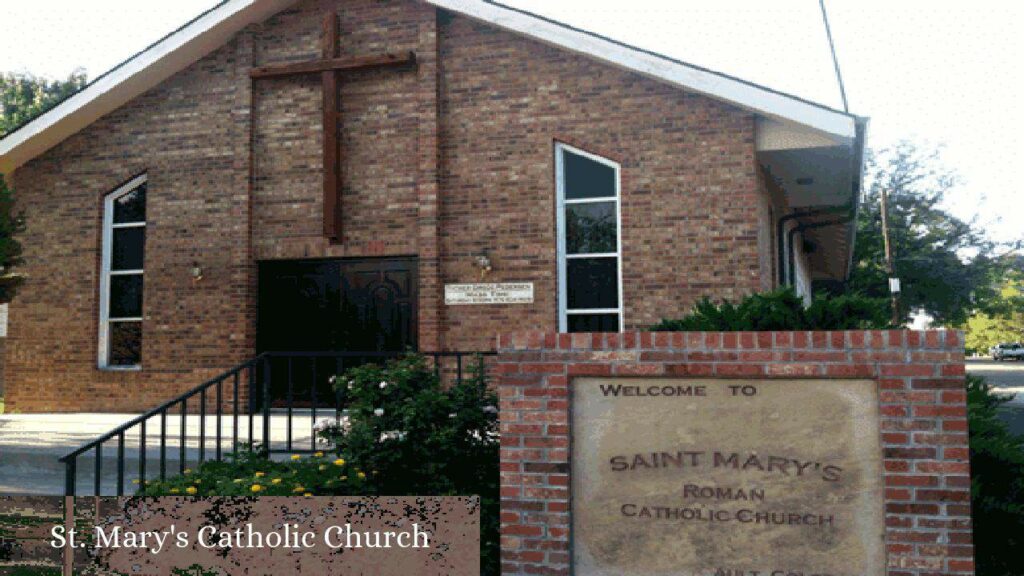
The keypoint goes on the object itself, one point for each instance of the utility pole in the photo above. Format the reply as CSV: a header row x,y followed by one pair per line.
x,y
894,282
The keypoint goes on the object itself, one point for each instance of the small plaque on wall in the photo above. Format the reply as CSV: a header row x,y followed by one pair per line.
x,y
503,293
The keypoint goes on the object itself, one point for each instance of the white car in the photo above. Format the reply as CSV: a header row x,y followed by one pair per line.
x,y
1014,351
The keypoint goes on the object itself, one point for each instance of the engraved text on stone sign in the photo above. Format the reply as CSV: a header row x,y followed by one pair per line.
x,y
726,477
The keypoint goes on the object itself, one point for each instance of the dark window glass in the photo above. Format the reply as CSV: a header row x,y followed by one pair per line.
x,y
585,178
131,207
126,296
590,228
593,322
127,252
125,344
592,283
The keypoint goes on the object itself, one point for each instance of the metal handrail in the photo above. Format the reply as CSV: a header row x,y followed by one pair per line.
x,y
258,371
70,460
161,408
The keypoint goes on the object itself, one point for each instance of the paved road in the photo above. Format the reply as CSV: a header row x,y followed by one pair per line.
x,y
1006,377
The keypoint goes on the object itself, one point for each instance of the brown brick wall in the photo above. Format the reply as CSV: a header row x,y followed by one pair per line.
x,y
689,191
922,407
3,348
380,126
188,136
440,161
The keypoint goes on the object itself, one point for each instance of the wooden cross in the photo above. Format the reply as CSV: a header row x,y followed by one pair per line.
x,y
330,67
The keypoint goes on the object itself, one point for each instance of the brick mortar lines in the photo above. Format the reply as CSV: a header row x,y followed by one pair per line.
x,y
921,406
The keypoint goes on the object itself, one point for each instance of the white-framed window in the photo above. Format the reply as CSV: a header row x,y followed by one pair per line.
x,y
589,242
121,277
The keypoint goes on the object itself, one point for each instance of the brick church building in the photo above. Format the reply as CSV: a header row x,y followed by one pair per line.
x,y
329,174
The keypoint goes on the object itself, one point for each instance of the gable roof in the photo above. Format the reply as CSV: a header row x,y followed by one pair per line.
x,y
213,28
143,71
839,125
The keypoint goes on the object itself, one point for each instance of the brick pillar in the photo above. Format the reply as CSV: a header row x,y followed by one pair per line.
x,y
243,264
427,186
922,416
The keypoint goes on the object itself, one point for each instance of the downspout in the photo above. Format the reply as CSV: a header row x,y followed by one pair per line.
x,y
785,245
790,280
860,141
780,233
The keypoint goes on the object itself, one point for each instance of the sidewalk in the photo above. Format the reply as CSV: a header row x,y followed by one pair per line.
x,y
31,444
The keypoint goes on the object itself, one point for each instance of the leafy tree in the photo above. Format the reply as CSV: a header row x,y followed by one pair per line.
x,y
11,223
997,484
1004,322
25,96
948,267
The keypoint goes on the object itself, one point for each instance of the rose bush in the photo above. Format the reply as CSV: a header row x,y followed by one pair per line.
x,y
404,433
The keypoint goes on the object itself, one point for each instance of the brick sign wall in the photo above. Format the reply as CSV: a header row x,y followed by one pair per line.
x,y
915,383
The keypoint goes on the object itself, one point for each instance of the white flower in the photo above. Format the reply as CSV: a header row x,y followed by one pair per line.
x,y
332,380
351,383
324,424
490,410
383,385
378,411
452,415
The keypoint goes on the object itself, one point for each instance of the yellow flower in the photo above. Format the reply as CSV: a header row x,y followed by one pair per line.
x,y
361,475
296,457
238,480
323,467
260,474
275,481
256,488
175,490
299,489
339,462
136,481
188,470
191,490
344,477
198,481
319,454
375,472
308,495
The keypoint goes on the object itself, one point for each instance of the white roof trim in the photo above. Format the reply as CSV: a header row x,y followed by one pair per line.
x,y
212,29
837,125
143,71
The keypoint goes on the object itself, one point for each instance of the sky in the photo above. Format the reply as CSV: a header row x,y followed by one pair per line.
x,y
939,73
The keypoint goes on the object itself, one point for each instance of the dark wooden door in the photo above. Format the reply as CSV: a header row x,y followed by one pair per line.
x,y
298,306
378,305
366,305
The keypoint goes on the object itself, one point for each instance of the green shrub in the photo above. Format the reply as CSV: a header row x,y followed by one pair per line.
x,y
406,435
997,484
248,472
782,309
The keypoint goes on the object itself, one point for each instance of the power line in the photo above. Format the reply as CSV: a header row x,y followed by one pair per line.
x,y
835,60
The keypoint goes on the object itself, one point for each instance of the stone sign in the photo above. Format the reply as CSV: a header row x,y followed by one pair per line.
x,y
506,293
726,477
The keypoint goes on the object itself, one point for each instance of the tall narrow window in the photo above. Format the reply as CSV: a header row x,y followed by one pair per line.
x,y
124,243
589,242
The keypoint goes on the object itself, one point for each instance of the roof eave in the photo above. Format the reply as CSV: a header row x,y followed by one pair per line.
x,y
838,125
132,78
207,33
